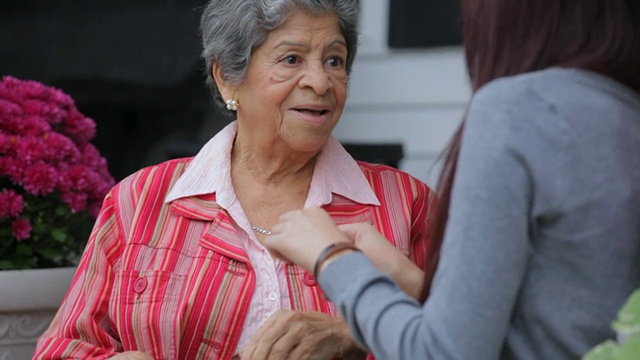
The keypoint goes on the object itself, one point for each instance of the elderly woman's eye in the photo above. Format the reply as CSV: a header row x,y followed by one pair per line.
x,y
291,60
335,61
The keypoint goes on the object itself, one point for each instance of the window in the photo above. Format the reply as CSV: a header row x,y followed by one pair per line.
x,y
423,23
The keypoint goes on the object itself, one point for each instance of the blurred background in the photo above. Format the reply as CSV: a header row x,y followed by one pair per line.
x,y
134,67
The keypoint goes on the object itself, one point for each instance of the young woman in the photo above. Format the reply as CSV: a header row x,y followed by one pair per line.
x,y
540,197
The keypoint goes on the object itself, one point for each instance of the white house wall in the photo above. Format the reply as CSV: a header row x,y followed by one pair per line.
x,y
412,97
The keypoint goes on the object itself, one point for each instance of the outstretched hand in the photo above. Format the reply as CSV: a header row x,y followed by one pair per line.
x,y
386,257
301,235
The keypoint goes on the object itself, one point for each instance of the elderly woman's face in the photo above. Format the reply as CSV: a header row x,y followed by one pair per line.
x,y
296,83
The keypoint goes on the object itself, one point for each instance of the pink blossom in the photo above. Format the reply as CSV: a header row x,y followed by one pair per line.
x,y
34,125
76,201
40,179
79,128
46,159
29,150
6,143
61,150
27,88
63,100
13,125
91,157
8,109
11,168
33,106
80,178
21,229
11,203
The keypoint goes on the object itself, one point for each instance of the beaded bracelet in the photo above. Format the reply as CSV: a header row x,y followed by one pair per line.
x,y
330,250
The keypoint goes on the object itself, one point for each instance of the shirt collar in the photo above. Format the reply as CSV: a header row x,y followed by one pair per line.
x,y
336,172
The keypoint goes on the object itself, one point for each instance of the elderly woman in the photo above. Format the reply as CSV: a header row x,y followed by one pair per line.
x,y
542,240
176,268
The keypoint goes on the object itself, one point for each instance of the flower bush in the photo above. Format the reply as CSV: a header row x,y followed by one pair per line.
x,y
52,179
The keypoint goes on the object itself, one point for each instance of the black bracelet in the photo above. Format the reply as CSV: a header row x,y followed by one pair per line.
x,y
330,250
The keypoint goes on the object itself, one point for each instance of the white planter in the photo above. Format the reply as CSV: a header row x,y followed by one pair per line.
x,y
28,302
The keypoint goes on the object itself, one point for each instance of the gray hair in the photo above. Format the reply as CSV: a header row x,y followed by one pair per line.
x,y
232,29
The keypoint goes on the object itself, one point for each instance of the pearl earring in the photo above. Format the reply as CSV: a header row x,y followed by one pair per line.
x,y
232,104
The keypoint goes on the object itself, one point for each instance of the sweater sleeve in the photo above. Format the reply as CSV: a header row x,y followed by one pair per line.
x,y
484,255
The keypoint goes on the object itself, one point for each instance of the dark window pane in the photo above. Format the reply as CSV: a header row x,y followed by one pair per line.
x,y
424,23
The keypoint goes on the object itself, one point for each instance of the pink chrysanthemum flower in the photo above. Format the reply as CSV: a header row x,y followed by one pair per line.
x,y
11,203
40,179
11,169
52,179
21,229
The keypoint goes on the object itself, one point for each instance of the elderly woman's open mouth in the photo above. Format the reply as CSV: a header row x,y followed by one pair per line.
x,y
314,113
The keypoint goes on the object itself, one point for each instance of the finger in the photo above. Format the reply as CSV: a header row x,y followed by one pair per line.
x,y
299,352
324,339
290,215
276,254
284,347
261,343
357,230
132,355
246,353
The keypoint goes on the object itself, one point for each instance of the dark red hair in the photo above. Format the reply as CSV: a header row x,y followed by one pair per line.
x,y
510,37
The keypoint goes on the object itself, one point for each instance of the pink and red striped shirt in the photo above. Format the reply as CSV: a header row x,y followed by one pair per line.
x,y
173,268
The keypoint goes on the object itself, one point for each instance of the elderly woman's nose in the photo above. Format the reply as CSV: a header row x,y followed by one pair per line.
x,y
316,78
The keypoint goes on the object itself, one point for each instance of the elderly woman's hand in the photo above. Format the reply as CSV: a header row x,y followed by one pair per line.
x,y
132,355
301,335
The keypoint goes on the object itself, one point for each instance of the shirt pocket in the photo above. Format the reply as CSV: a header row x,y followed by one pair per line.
x,y
147,287
145,309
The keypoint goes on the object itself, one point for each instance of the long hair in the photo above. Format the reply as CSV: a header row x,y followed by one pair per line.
x,y
510,37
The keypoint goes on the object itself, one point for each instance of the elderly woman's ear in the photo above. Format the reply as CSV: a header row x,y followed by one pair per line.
x,y
227,91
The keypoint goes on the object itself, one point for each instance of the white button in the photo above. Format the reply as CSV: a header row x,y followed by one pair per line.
x,y
273,296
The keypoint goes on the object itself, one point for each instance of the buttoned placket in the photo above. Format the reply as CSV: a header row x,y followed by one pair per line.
x,y
270,294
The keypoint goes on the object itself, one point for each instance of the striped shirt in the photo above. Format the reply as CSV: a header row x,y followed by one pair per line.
x,y
210,172
170,267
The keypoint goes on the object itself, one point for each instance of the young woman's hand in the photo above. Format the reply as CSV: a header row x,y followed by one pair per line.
x,y
386,257
301,235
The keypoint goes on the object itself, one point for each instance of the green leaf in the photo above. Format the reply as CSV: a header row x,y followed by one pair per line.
x,y
607,350
61,210
630,349
38,227
6,265
24,249
23,263
58,235
628,321
49,254
5,229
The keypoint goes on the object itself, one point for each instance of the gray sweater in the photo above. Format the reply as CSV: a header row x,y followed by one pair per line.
x,y
543,242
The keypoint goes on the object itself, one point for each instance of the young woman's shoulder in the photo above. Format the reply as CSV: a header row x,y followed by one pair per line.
x,y
554,89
